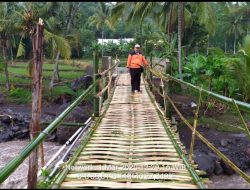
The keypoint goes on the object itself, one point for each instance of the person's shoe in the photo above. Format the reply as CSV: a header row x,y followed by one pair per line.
x,y
136,91
139,91
133,92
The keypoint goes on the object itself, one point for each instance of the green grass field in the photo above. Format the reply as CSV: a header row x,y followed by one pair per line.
x,y
19,75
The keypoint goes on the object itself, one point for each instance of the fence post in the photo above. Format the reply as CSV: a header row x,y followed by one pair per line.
x,y
95,77
110,75
168,89
150,74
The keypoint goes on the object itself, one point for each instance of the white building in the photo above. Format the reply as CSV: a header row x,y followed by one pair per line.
x,y
116,41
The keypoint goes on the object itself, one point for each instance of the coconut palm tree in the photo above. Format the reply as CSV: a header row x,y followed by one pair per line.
x,y
101,18
165,14
241,69
7,28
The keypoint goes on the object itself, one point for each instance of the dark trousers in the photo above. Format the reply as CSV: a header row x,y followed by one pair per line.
x,y
135,78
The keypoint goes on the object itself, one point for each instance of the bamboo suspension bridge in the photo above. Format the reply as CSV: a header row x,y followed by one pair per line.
x,y
130,143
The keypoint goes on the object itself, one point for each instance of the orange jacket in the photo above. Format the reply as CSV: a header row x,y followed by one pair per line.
x,y
135,60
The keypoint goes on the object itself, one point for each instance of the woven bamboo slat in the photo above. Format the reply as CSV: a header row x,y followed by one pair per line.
x,y
130,148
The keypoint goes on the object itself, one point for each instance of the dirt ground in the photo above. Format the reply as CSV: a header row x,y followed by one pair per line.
x,y
19,178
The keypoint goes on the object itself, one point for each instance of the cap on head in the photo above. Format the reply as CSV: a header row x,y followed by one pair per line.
x,y
137,46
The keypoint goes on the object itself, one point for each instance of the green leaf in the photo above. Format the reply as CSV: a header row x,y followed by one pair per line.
x,y
21,49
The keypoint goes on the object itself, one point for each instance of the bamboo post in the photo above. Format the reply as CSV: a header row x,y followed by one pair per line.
x,y
110,76
168,89
95,77
37,45
242,120
150,73
194,127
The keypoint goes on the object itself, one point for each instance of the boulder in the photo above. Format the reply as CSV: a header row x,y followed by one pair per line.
x,y
78,115
5,119
205,162
6,135
82,82
218,169
223,149
227,169
89,70
1,98
247,152
224,142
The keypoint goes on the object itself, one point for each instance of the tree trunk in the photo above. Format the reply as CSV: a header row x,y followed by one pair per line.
x,y
102,39
11,55
169,24
55,76
141,33
72,13
234,40
225,45
37,49
9,47
179,37
207,45
5,57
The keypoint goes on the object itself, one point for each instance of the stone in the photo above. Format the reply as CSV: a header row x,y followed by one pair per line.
x,y
1,98
15,128
205,162
78,115
5,119
6,135
214,156
82,82
218,170
247,151
227,169
89,70
240,135
223,149
224,142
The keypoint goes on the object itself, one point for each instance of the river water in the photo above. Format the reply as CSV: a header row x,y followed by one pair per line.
x,y
8,150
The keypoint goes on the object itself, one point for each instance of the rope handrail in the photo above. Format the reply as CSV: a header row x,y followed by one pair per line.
x,y
180,152
226,100
109,83
202,138
109,69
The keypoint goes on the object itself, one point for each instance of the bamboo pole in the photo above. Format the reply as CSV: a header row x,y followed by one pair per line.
x,y
194,126
110,76
229,101
214,149
242,119
192,172
13,164
95,77
61,176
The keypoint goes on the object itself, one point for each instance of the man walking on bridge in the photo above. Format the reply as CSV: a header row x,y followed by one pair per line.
x,y
135,63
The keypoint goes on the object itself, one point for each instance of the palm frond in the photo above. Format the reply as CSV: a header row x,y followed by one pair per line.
x,y
21,49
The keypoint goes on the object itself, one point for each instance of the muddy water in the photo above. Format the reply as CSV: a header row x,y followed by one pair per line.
x,y
8,150
18,179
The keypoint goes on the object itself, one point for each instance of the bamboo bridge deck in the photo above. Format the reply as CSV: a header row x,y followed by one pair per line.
x,y
130,148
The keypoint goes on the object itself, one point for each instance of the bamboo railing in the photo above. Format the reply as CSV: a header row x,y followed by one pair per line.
x,y
228,101
11,166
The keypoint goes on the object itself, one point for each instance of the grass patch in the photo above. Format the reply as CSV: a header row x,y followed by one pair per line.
x,y
227,122
221,125
20,95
